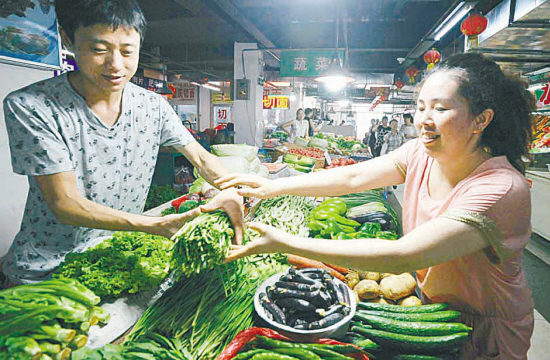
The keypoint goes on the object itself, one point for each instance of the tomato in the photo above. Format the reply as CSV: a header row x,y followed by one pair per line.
x,y
351,162
343,161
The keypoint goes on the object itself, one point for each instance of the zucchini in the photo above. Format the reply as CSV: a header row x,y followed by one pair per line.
x,y
404,309
422,317
412,343
414,328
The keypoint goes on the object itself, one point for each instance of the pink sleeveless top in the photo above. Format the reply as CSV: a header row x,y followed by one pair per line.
x,y
488,286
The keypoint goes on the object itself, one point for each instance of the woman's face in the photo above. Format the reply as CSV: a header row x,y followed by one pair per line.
x,y
443,118
300,115
393,125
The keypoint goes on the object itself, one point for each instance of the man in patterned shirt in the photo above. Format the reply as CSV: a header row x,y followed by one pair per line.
x,y
88,142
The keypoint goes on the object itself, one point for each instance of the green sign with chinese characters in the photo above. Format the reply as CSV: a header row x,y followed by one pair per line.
x,y
306,63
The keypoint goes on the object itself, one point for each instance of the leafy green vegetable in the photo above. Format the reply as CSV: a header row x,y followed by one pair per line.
x,y
159,195
129,261
206,311
202,243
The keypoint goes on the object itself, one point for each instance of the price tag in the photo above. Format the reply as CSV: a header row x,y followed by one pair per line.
x,y
327,158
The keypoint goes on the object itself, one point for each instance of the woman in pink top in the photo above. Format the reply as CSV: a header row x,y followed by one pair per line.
x,y
466,211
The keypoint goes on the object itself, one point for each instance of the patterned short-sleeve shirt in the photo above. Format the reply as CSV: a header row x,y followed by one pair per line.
x,y
51,129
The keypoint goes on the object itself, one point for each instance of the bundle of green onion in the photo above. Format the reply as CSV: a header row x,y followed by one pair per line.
x,y
202,243
206,311
47,320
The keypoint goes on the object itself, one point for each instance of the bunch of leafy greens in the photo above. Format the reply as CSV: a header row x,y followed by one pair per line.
x,y
159,195
129,261
202,243
47,319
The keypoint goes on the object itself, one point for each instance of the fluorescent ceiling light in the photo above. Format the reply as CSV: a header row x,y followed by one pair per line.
x,y
292,97
279,83
343,103
535,87
211,87
195,83
540,71
458,13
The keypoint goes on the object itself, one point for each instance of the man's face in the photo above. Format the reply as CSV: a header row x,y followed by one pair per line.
x,y
107,58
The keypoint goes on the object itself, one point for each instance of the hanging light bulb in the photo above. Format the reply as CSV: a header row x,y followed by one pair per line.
x,y
335,77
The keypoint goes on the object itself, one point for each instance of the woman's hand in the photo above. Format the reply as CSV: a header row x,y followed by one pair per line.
x,y
271,240
259,187
232,203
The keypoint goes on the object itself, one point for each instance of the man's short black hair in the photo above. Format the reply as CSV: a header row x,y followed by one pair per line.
x,y
73,14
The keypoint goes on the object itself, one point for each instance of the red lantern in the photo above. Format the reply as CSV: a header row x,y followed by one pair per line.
x,y
411,73
472,26
399,84
431,58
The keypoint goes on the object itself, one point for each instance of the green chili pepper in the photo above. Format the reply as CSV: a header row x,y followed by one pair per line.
x,y
301,354
270,355
248,354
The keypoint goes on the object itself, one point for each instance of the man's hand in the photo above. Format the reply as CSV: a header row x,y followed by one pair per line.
x,y
259,187
271,240
232,203
169,225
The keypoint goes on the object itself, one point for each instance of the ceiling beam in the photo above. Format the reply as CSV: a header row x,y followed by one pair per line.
x,y
235,14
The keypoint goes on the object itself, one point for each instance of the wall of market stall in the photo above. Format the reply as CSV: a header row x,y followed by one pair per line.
x,y
13,187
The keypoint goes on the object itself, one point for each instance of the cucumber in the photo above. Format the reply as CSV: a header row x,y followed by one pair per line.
x,y
412,343
422,357
422,317
413,328
404,309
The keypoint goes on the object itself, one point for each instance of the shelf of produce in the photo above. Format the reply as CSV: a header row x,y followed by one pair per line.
x,y
540,198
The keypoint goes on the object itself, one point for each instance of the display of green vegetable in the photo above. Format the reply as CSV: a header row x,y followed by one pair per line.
x,y
206,311
159,195
201,243
128,262
47,319
287,213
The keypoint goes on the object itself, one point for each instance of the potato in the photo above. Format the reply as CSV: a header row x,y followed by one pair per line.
x,y
381,300
352,278
410,300
385,275
397,286
369,275
367,289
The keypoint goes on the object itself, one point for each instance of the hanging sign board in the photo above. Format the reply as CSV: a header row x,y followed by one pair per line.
x,y
221,98
276,102
307,63
222,115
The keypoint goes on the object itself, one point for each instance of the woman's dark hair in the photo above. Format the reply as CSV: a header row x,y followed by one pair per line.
x,y
485,86
73,14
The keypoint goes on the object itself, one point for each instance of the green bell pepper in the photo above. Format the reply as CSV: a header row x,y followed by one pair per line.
x,y
325,215
317,225
370,228
343,236
333,227
335,205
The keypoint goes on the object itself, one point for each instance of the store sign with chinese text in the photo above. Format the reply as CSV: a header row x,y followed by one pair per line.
x,y
306,63
543,96
276,102
188,93
222,115
221,98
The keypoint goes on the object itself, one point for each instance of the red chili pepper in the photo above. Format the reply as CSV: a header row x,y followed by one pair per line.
x,y
177,202
246,336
